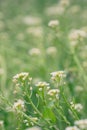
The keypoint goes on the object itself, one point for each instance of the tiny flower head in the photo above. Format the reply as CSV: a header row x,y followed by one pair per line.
x,y
18,105
53,93
51,50
22,76
42,85
1,123
53,23
72,128
34,52
57,76
78,107
77,35
31,20
64,3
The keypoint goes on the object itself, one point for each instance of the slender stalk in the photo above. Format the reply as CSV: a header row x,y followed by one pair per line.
x,y
75,114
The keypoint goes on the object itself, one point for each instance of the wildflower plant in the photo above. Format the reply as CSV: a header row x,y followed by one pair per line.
x,y
41,104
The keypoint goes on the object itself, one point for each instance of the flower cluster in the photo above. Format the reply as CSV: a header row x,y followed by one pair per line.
x,y
41,85
53,93
58,76
78,107
82,124
21,78
77,35
53,23
51,50
18,105
34,52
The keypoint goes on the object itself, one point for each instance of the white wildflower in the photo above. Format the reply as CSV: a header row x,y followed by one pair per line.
x,y
22,75
34,52
78,107
34,128
53,93
74,9
18,105
51,50
1,71
77,34
36,31
72,128
1,123
31,20
64,3
53,23
41,85
82,124
57,76
55,10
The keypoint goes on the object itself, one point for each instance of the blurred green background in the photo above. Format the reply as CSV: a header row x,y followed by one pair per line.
x,y
23,26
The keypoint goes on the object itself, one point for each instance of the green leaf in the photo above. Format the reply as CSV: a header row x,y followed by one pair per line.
x,y
48,114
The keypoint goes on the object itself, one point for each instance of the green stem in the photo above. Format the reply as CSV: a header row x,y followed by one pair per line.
x,y
75,114
61,114
27,117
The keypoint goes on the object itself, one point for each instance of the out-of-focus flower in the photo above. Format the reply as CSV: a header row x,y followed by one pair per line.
x,y
18,105
51,50
77,35
41,85
82,124
1,71
34,52
72,128
31,20
53,93
22,76
1,123
36,31
78,107
53,23
57,76
64,3
55,10
74,9
34,128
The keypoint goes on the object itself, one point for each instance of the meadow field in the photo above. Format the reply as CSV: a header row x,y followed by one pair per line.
x,y
43,64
